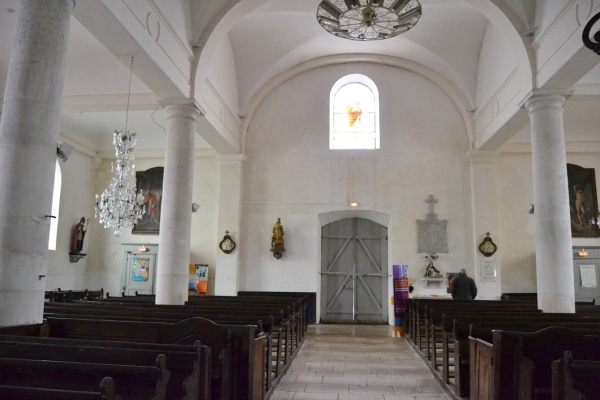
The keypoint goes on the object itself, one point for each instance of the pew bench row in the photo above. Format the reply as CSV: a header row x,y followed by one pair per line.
x,y
244,354
447,332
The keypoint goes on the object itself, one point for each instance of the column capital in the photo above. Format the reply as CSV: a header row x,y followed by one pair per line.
x,y
182,108
547,98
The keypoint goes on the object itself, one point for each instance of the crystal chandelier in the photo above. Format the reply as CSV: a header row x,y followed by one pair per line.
x,y
368,19
119,206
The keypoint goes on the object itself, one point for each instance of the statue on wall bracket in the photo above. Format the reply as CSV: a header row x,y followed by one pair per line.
x,y
77,237
278,240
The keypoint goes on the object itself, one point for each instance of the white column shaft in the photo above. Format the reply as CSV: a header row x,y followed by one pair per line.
x,y
28,140
176,209
553,243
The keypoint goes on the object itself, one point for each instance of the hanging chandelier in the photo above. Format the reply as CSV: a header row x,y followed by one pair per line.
x,y
120,206
368,19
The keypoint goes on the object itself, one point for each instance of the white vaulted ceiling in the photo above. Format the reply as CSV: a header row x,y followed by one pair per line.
x,y
247,46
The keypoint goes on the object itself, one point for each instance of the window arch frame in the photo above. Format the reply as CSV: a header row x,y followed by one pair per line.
x,y
335,133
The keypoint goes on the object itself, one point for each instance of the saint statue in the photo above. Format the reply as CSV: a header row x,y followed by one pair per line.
x,y
78,234
277,240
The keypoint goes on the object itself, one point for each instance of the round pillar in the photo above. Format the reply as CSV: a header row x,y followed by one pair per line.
x,y
553,243
28,141
176,209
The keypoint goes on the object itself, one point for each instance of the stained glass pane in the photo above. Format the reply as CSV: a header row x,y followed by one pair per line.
x,y
354,118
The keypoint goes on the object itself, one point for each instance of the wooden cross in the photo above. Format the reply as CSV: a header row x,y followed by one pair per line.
x,y
431,201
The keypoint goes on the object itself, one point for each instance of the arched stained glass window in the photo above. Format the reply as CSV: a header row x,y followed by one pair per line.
x,y
354,117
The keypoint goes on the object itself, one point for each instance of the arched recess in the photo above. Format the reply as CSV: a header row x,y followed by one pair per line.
x,y
440,81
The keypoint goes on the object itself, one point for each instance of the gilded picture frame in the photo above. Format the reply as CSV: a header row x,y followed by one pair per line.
x,y
150,183
583,201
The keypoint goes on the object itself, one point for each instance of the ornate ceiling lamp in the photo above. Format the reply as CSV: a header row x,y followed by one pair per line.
x,y
119,206
368,19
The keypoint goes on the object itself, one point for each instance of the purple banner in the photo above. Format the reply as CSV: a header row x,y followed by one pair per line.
x,y
400,274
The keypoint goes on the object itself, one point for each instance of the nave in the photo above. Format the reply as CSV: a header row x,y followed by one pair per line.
x,y
358,362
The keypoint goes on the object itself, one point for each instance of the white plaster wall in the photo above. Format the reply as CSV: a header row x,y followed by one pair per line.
x,y
517,235
546,12
516,243
204,240
496,63
76,201
223,75
178,15
105,259
291,173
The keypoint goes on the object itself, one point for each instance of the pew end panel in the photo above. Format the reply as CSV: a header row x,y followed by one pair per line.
x,y
481,369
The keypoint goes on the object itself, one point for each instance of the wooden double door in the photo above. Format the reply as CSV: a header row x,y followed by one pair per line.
x,y
354,272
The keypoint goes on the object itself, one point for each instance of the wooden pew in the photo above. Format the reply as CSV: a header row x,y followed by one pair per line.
x,y
133,382
434,314
455,346
575,379
420,307
484,346
292,311
248,350
106,391
276,327
189,366
288,338
71,295
517,365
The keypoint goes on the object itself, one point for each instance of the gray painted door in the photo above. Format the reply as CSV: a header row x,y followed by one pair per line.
x,y
354,272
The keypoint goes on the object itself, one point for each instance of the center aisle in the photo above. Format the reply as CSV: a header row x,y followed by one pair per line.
x,y
358,362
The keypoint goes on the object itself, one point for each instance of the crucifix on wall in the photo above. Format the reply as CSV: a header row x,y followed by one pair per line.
x,y
432,234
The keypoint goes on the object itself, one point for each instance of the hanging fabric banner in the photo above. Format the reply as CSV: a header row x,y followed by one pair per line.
x,y
400,275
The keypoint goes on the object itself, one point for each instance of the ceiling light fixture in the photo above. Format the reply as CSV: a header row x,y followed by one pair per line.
x,y
119,206
368,19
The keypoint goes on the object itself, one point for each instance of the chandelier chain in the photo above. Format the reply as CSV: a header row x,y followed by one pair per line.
x,y
120,206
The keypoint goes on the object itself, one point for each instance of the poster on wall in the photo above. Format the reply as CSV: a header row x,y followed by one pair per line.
x,y
489,271
588,276
140,269
400,276
198,282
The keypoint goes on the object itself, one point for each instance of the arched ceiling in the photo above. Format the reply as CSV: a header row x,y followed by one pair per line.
x,y
247,46
280,34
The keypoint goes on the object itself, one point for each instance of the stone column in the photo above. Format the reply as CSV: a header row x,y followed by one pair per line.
x,y
176,204
553,243
484,205
230,203
28,141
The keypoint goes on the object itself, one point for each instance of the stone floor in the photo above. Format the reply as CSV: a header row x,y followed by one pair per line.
x,y
358,362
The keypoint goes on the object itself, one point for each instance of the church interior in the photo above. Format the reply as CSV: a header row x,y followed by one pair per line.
x,y
478,108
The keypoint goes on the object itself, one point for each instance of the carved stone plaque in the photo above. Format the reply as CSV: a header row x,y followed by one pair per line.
x,y
432,233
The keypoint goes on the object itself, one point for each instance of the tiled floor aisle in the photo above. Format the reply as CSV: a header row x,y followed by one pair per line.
x,y
354,362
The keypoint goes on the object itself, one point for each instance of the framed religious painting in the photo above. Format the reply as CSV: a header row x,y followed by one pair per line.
x,y
150,184
583,201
